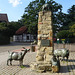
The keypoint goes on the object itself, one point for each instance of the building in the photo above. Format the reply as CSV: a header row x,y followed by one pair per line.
x,y
22,35
3,18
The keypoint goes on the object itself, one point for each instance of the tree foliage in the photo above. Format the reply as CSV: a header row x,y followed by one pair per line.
x,y
69,18
3,28
71,15
64,34
67,27
30,16
9,29
72,29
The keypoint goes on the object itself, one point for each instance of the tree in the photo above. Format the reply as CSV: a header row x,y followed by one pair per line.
x,y
30,16
68,28
69,18
72,29
71,15
64,34
3,27
4,39
9,29
13,27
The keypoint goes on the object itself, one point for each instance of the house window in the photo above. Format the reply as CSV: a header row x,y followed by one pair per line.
x,y
27,37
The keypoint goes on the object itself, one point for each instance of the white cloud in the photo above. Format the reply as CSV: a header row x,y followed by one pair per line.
x,y
15,2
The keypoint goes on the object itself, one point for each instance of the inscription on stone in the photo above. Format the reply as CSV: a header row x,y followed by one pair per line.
x,y
45,42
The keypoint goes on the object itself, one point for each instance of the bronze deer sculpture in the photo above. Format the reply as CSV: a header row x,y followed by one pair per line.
x,y
17,56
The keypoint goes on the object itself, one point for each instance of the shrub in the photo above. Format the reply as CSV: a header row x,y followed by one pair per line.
x,y
4,40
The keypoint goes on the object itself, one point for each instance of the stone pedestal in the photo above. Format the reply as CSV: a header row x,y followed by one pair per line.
x,y
45,37
45,43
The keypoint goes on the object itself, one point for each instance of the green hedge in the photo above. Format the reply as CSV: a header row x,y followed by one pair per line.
x,y
4,40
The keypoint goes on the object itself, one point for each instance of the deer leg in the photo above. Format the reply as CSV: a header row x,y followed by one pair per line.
x,y
7,62
10,62
67,57
57,57
63,58
21,62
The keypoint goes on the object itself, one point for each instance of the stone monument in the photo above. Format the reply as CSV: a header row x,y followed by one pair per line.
x,y
44,57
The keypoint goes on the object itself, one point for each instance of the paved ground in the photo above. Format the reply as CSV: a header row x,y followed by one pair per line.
x,y
13,46
67,67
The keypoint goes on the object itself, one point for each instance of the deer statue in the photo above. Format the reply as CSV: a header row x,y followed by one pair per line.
x,y
17,56
61,53
46,7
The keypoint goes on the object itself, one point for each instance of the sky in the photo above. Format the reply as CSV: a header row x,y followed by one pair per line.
x,y
15,8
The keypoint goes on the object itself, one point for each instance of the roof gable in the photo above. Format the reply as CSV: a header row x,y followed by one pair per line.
x,y
21,30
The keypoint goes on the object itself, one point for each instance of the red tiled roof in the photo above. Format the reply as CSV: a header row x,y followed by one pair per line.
x,y
21,30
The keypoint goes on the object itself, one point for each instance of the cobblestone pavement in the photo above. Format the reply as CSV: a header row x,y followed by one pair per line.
x,y
67,67
12,46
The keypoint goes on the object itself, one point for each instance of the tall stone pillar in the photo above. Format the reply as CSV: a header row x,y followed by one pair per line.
x,y
45,37
44,56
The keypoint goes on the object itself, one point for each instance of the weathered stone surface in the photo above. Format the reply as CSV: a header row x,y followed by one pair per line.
x,y
48,58
51,43
40,66
40,16
33,66
48,13
39,32
40,19
40,71
55,69
41,53
40,23
47,22
45,42
39,43
48,67
42,49
45,38
43,18
49,52
44,32
49,49
39,58
48,18
41,13
49,27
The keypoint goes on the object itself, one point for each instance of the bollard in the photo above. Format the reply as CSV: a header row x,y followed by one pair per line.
x,y
32,48
64,45
63,42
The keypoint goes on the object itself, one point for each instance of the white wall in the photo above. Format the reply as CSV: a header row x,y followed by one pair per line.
x,y
19,38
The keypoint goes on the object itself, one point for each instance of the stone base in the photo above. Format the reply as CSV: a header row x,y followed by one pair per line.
x,y
43,67
40,66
